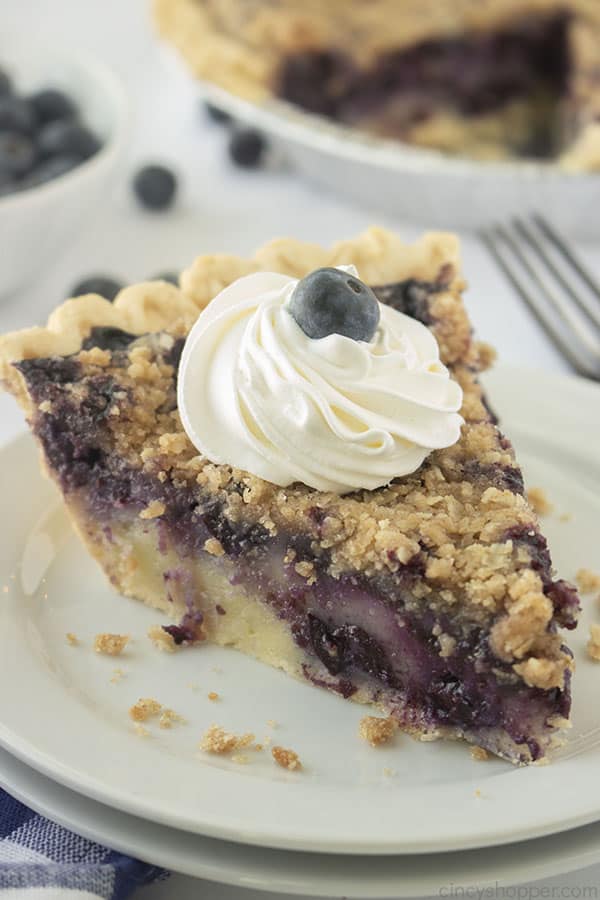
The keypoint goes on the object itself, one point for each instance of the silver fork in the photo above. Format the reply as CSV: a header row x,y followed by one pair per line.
x,y
558,289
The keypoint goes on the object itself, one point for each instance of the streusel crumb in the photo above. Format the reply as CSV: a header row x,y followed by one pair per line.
x,y
287,759
161,639
377,731
593,645
213,695
306,570
214,547
72,639
110,644
479,753
153,511
587,581
141,731
217,740
539,501
45,406
144,709
169,717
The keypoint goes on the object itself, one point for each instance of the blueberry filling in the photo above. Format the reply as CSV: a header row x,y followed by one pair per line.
x,y
474,74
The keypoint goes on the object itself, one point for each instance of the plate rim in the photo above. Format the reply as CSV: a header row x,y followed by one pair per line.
x,y
569,857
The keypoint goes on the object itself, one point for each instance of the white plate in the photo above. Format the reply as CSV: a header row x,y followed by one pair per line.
x,y
61,714
290,872
416,185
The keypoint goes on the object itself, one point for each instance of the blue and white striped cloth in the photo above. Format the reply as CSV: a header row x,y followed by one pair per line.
x,y
40,860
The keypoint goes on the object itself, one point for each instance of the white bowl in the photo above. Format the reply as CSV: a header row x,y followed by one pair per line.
x,y
412,184
36,223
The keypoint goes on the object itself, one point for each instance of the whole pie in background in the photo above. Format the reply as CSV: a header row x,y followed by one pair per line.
x,y
490,79
431,596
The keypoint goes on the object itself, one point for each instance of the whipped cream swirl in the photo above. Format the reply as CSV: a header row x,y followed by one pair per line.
x,y
258,394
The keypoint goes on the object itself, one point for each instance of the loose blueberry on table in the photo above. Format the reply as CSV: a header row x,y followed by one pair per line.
x,y
97,284
155,187
41,136
247,148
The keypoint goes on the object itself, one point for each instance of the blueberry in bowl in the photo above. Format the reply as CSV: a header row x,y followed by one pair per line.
x,y
62,133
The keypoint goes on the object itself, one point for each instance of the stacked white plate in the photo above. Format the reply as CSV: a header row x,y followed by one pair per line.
x,y
404,820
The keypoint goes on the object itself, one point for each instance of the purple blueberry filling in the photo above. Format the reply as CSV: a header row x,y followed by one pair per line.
x,y
474,74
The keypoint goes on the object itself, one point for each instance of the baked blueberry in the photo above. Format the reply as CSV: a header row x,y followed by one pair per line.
x,y
16,114
49,169
50,104
247,148
330,301
216,113
155,187
66,138
97,284
17,154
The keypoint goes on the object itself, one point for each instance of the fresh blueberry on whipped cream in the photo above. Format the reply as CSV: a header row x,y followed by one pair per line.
x,y
362,404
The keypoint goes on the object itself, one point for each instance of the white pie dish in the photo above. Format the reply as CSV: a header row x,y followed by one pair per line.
x,y
412,184
37,223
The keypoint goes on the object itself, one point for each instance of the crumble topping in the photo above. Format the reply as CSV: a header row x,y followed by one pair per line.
x,y
587,581
217,740
306,570
72,639
213,695
539,501
479,754
287,759
214,547
377,731
161,639
141,730
154,510
144,709
111,644
593,644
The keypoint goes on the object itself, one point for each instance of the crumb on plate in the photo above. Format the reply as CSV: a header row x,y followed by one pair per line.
x,y
587,581
212,695
285,758
565,517
141,731
110,644
377,731
479,754
593,645
117,675
539,501
217,740
72,639
169,717
145,708
161,639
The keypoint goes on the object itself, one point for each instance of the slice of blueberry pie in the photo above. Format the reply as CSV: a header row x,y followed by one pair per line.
x,y
485,79
292,456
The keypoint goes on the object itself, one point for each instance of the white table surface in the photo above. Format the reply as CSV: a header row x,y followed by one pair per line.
x,y
219,209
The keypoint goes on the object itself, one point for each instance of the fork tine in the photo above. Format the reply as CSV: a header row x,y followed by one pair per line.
x,y
582,302
567,253
490,238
